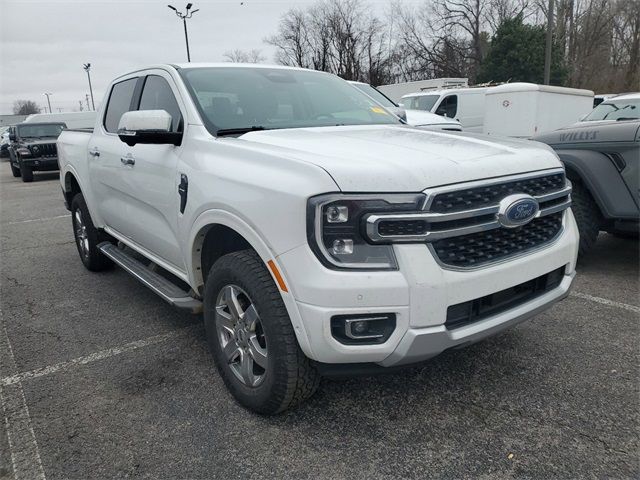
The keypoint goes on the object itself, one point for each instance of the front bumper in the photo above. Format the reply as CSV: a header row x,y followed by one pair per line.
x,y
41,163
419,294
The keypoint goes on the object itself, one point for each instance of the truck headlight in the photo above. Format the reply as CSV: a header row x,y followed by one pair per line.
x,y
336,228
24,151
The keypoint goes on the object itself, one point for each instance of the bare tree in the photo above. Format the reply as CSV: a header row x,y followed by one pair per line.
x,y
338,36
242,56
25,107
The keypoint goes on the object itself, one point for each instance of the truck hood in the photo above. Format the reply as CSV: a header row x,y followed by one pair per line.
x,y
592,132
38,141
389,158
422,117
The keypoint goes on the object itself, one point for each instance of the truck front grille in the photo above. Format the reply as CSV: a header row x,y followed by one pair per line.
x,y
467,225
481,196
44,150
493,245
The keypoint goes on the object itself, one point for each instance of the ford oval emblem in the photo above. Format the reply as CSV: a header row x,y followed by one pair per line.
x,y
517,210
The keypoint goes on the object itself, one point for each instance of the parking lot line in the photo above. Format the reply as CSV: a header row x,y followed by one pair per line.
x,y
37,219
605,301
93,357
23,446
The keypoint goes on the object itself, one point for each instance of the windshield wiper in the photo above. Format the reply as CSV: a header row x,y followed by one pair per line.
x,y
238,131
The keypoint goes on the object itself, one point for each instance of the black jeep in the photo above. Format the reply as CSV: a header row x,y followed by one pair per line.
x,y
603,163
33,147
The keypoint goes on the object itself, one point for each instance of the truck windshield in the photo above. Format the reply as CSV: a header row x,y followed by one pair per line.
x,y
421,102
615,110
40,130
233,99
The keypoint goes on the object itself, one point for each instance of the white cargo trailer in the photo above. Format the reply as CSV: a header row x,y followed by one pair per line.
x,y
527,109
70,119
395,91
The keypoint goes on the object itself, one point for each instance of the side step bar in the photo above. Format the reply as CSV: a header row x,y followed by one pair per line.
x,y
170,292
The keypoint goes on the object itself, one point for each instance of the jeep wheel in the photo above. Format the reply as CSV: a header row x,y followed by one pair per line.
x,y
587,216
87,236
25,172
251,337
14,170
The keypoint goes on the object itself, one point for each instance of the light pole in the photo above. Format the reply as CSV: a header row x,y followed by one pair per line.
x,y
189,13
87,68
549,45
48,101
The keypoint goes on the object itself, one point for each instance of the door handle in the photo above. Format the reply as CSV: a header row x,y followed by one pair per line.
x,y
94,152
128,160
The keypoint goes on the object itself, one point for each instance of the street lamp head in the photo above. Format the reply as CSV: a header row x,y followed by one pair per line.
x,y
172,8
86,66
194,11
189,5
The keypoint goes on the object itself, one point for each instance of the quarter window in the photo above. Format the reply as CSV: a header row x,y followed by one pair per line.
x,y
119,103
157,95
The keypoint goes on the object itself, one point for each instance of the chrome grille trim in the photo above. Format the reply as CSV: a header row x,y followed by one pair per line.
x,y
372,221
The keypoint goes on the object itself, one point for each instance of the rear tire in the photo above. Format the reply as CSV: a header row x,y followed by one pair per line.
x,y
87,236
25,172
279,376
587,217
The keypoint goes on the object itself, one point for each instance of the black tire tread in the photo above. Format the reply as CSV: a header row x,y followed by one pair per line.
x,y
96,261
587,215
14,170
26,173
301,379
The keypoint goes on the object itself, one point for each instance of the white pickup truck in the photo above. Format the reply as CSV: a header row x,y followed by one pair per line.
x,y
317,233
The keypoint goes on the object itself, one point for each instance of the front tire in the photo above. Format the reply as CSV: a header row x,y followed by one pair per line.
x,y
25,172
15,171
587,217
87,236
251,337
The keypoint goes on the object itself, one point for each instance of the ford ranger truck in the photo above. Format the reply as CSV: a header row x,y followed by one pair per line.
x,y
316,232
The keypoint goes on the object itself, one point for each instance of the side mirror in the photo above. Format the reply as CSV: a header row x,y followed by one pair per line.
x,y
12,137
147,126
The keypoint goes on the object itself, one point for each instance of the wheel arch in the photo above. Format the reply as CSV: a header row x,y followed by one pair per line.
x,y
71,188
217,232
600,177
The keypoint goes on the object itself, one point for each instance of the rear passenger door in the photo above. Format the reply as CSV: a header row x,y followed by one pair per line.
x,y
152,180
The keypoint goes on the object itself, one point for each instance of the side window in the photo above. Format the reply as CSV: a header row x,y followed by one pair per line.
x,y
119,103
449,107
157,95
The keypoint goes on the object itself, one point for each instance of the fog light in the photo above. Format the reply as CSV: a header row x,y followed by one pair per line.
x,y
337,214
342,247
366,329
359,327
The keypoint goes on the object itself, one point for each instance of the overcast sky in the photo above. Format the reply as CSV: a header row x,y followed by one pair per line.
x,y
45,43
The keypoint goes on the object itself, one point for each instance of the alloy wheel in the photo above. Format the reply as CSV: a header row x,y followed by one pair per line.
x,y
82,238
241,336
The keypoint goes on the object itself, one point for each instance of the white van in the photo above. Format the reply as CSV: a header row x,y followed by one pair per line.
x,y
465,105
70,119
528,109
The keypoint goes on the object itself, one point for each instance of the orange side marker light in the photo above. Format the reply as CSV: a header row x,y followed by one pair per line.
x,y
276,273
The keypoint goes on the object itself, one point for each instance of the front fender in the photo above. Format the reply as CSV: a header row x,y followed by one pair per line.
x,y
603,180
197,234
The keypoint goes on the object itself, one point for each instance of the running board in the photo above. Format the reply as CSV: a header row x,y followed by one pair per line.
x,y
170,292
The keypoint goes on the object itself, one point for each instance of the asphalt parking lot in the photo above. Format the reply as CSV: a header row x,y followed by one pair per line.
x,y
100,379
